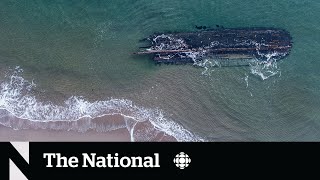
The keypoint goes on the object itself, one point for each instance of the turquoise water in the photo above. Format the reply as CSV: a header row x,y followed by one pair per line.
x,y
84,48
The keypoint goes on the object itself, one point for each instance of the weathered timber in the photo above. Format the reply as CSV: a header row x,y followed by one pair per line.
x,y
242,44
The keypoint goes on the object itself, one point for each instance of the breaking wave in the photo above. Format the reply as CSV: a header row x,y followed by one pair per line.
x,y
21,110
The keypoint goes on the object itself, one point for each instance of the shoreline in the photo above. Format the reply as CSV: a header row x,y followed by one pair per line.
x,y
15,129
40,135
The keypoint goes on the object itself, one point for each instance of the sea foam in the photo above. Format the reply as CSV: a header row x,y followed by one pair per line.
x,y
22,110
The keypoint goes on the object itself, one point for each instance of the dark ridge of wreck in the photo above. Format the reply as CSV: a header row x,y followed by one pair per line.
x,y
230,47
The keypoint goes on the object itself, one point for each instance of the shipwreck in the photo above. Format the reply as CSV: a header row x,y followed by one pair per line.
x,y
230,47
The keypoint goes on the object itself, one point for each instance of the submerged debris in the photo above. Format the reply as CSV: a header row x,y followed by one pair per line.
x,y
232,47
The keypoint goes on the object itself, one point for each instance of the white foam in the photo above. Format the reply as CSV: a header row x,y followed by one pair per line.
x,y
173,43
269,67
77,113
264,69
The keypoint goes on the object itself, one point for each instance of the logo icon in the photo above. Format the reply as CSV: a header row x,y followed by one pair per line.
x,y
182,160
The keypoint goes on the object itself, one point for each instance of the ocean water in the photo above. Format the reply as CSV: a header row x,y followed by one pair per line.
x,y
66,63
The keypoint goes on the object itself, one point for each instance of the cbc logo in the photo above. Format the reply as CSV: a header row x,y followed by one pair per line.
x,y
182,160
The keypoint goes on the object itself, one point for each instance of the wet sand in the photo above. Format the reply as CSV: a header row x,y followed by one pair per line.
x,y
106,128
9,134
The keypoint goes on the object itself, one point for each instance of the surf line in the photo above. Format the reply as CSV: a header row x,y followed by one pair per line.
x,y
109,161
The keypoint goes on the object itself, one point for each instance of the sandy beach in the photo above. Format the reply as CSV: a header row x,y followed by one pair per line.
x,y
9,134
106,128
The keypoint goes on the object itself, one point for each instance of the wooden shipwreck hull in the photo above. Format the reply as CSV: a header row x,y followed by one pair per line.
x,y
228,46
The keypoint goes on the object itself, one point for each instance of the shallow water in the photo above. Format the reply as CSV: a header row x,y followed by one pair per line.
x,y
79,56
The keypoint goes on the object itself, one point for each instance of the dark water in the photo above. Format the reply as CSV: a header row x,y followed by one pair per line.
x,y
79,55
